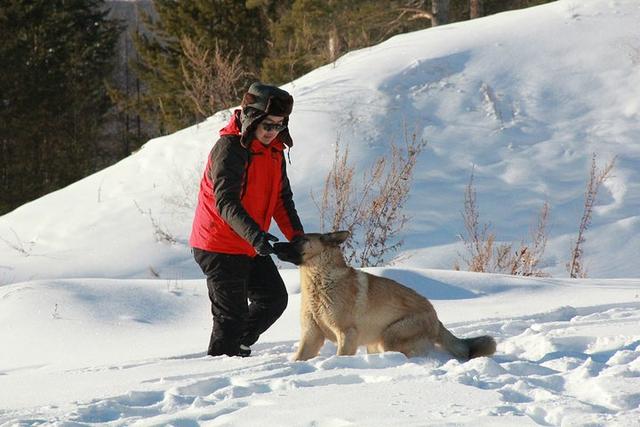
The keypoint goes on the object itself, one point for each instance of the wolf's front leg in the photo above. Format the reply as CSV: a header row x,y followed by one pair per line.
x,y
347,342
311,339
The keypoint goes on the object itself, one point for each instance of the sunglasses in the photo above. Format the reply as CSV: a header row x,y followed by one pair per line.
x,y
278,127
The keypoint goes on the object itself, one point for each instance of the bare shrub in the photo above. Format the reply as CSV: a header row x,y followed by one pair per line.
x,y
23,248
478,241
183,201
56,313
372,211
525,261
153,272
211,80
484,255
575,266
337,205
159,232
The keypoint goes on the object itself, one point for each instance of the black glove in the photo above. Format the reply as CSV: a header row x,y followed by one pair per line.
x,y
262,245
289,251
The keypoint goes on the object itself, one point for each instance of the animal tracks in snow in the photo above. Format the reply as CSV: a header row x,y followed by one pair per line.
x,y
566,366
206,397
561,366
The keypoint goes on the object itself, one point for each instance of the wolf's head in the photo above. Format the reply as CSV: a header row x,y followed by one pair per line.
x,y
304,249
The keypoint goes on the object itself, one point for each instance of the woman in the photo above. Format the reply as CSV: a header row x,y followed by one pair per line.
x,y
244,186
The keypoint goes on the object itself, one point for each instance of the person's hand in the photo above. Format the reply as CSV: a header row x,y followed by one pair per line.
x,y
289,251
262,245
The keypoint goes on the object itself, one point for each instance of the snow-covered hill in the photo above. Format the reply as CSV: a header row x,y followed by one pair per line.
x,y
522,98
103,321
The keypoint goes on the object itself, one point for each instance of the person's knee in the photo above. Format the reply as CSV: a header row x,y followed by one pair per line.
x,y
274,306
280,304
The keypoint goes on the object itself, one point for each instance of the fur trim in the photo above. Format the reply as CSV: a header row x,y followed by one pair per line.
x,y
260,101
268,99
279,106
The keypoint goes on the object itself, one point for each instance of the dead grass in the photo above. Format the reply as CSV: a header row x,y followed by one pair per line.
x,y
575,266
372,211
210,78
485,255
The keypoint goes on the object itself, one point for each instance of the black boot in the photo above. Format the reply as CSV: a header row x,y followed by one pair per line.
x,y
244,351
219,348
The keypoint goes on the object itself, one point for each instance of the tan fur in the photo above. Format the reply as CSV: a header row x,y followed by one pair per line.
x,y
353,308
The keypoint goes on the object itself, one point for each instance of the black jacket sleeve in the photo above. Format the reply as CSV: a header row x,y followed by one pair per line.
x,y
286,215
228,165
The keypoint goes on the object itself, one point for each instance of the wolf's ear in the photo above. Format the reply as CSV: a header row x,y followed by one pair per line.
x,y
335,238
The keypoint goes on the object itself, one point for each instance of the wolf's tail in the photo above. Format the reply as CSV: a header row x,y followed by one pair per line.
x,y
466,348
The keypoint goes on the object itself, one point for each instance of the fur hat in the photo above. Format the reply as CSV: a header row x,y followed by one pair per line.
x,y
260,101
268,99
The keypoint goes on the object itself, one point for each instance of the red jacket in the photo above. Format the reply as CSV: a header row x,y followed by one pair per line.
x,y
241,190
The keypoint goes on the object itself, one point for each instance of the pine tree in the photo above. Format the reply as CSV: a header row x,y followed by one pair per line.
x,y
127,130
496,6
228,24
56,55
313,33
316,32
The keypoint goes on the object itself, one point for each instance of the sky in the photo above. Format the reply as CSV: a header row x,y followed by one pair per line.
x,y
104,321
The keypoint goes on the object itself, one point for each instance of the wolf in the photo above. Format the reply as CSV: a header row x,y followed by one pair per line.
x,y
353,308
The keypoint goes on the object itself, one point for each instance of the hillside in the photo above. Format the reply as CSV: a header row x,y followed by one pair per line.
x,y
523,99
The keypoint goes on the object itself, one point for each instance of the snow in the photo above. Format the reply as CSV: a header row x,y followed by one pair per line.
x,y
129,352
103,322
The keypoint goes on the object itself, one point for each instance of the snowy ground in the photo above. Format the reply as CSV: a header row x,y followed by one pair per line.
x,y
79,352
104,322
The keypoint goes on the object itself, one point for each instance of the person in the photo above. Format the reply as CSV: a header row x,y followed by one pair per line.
x,y
244,187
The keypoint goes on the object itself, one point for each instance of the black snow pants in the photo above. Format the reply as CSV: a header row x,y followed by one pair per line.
x,y
231,280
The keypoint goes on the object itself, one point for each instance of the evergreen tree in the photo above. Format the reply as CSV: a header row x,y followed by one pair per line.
x,y
316,32
490,7
55,55
126,129
229,24
462,10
